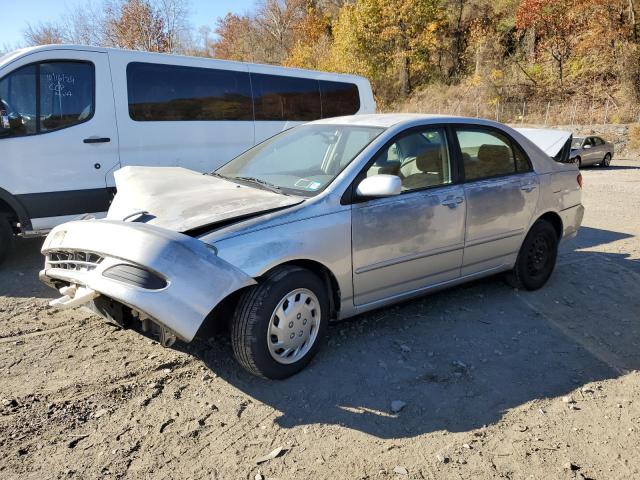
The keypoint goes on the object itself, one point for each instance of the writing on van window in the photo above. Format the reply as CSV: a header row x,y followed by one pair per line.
x,y
46,96
60,83
66,94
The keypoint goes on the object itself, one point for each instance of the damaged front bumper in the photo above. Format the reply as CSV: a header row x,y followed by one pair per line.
x,y
165,277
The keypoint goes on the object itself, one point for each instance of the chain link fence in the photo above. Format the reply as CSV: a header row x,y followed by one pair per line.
x,y
577,112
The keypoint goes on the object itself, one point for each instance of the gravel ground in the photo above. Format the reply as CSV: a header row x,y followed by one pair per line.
x,y
490,382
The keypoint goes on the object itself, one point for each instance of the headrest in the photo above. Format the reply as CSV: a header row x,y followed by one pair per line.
x,y
494,154
430,159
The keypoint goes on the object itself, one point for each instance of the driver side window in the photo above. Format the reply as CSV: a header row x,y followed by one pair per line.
x,y
18,102
420,158
46,96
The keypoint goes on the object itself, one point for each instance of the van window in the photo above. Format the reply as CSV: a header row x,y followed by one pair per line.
x,y
175,93
47,96
285,98
66,94
18,102
339,98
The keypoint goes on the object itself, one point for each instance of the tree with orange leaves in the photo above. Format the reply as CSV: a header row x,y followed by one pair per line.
x,y
556,24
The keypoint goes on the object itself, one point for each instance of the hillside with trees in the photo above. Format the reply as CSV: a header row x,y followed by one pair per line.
x,y
473,56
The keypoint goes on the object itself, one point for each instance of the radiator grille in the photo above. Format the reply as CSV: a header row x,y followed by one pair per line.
x,y
74,260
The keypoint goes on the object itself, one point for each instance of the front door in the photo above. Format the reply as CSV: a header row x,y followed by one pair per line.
x,y
408,242
501,192
590,155
63,143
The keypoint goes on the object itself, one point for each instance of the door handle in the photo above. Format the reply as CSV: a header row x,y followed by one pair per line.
x,y
452,202
528,187
97,140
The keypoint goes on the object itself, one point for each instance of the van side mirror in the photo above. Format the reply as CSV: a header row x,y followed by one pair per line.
x,y
379,186
5,125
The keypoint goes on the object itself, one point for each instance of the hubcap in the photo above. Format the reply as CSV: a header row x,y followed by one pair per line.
x,y
538,255
293,326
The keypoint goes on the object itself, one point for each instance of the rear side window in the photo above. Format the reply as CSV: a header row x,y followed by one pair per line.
x,y
159,92
46,96
285,98
486,154
339,98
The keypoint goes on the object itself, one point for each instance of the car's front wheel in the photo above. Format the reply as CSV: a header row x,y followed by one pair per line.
x,y
537,257
279,324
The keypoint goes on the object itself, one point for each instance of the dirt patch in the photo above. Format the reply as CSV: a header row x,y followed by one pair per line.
x,y
479,381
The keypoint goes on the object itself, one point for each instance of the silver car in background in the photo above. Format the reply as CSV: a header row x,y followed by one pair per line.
x,y
318,223
587,151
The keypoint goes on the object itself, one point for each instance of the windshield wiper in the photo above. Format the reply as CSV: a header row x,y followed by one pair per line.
x,y
262,183
216,174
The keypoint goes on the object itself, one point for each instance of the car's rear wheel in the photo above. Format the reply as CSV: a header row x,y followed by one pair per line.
x,y
606,161
6,238
537,257
279,324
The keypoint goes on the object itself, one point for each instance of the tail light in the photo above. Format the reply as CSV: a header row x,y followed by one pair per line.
x,y
579,178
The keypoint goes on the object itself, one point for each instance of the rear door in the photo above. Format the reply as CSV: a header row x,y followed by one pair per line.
x,y
599,150
501,191
63,143
407,242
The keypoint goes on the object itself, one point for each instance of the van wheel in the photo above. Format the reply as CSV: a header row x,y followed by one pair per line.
x,y
536,259
6,238
278,325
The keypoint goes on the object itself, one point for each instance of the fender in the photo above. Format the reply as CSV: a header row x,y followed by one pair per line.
x,y
18,208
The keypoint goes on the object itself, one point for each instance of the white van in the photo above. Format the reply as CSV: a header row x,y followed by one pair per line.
x,y
72,115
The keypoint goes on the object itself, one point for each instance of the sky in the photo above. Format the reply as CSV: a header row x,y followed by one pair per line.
x,y
17,14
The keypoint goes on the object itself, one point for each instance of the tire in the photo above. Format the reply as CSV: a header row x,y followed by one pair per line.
x,y
606,161
536,259
6,238
257,330
578,162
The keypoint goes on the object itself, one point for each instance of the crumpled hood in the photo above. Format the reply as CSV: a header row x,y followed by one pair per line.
x,y
180,200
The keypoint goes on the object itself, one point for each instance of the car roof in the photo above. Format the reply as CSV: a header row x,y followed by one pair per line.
x,y
386,120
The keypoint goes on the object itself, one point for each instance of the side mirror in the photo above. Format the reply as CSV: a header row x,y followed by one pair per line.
x,y
379,186
586,147
5,125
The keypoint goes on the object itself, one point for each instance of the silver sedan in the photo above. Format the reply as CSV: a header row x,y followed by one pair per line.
x,y
318,223
587,151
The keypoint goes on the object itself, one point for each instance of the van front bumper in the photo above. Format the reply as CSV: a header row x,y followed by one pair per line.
x,y
171,279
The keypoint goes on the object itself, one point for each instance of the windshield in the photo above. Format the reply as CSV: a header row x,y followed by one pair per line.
x,y
303,160
577,142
